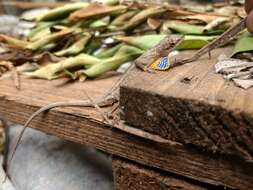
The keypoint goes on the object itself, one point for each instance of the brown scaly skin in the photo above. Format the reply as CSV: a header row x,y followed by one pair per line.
x,y
248,8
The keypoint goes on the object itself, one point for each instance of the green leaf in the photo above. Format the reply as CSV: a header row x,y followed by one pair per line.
x,y
62,12
123,18
143,42
184,28
41,26
109,52
148,41
75,48
98,24
243,44
141,17
54,70
48,39
124,54
195,42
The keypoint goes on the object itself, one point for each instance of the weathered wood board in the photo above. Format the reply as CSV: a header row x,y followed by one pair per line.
x,y
85,126
38,93
132,176
193,105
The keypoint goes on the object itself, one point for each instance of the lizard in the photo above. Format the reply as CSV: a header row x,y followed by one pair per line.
x,y
112,97
166,46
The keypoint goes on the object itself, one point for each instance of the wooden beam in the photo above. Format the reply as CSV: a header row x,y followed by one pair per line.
x,y
85,126
193,105
132,176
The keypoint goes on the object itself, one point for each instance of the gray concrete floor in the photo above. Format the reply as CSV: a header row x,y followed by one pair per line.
x,y
44,162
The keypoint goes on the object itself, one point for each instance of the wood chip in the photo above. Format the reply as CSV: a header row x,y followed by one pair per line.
x,y
9,65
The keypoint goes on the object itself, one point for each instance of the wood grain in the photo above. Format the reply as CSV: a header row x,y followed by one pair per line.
x,y
85,126
193,105
132,176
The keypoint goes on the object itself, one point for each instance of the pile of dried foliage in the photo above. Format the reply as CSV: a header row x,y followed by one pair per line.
x,y
86,40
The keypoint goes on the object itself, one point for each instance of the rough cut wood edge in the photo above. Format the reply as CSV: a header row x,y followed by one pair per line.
x,y
212,169
132,176
205,126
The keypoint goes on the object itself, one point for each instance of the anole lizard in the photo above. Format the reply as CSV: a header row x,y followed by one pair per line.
x,y
112,96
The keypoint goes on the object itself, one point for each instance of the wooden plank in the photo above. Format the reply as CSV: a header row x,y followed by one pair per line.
x,y
193,105
132,176
42,92
84,126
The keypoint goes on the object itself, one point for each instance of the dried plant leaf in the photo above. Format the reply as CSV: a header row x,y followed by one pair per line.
x,y
108,52
53,71
6,64
13,42
48,47
61,29
199,8
62,12
95,10
46,57
184,28
40,34
194,42
40,27
142,17
98,24
215,24
205,18
146,42
143,42
153,23
75,48
48,39
241,12
120,20
107,2
243,44
123,55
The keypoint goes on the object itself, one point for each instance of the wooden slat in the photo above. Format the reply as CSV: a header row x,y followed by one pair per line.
x,y
132,176
84,126
193,105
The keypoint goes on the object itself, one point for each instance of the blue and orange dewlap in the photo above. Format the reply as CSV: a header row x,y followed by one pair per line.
x,y
162,64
